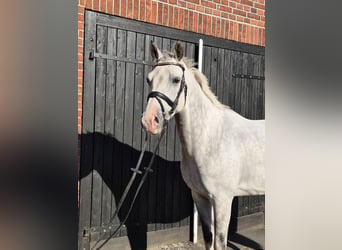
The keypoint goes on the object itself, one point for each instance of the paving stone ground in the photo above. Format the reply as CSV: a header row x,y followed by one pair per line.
x,y
252,238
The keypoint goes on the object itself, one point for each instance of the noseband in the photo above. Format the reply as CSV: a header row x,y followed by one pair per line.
x,y
160,96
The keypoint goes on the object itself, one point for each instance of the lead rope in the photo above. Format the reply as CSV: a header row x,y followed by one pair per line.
x,y
135,171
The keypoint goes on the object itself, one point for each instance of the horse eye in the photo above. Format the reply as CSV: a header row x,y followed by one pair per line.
x,y
176,80
149,82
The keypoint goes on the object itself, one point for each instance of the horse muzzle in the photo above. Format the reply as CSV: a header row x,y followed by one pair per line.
x,y
152,123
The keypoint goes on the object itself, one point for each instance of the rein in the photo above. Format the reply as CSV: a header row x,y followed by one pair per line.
x,y
160,96
136,171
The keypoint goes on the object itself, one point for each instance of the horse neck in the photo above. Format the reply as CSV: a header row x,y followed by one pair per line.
x,y
197,119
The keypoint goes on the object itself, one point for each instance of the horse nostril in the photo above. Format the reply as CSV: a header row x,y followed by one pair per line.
x,y
156,119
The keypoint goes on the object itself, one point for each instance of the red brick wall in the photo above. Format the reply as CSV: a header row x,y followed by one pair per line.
x,y
238,20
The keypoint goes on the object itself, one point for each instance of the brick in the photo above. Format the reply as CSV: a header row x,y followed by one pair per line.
x,y
80,25
224,2
181,18
231,30
191,21
96,5
142,10
116,8
208,4
81,10
224,15
239,6
173,1
136,9
194,1
235,37
239,18
200,23
261,24
204,24
130,9
209,31
225,8
247,2
208,11
195,26
218,27
181,3
110,7
170,15
81,2
175,19
200,8
262,18
80,17
253,16
261,12
247,8
160,13
239,12
247,20
154,12
89,4
217,1
103,5
148,10
232,4
186,19
254,10
165,14
216,13
190,6
124,8
232,17
259,6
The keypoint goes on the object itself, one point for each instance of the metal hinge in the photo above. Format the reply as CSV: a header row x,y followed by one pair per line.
x,y
245,76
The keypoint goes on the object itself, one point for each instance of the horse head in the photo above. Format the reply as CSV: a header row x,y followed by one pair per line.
x,y
167,88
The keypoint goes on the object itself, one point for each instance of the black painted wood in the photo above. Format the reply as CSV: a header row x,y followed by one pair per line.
x,y
87,126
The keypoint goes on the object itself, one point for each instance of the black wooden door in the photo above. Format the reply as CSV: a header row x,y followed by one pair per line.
x,y
116,63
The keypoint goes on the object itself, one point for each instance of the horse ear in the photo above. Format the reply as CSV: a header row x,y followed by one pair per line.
x,y
155,52
179,51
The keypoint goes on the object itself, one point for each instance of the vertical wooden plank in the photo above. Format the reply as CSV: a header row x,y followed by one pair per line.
x,y
159,172
119,116
128,158
139,83
100,86
220,84
249,86
206,62
243,93
151,183
107,177
87,123
232,81
227,78
213,70
238,82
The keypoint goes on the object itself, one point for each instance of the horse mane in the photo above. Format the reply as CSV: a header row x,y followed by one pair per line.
x,y
201,79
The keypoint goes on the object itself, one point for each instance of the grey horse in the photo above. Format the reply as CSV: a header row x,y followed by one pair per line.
x,y
222,152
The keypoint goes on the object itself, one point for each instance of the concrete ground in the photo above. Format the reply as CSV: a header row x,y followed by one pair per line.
x,y
251,238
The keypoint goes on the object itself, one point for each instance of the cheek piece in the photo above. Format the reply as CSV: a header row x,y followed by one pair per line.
x,y
160,96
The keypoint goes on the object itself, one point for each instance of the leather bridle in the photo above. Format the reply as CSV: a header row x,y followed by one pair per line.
x,y
160,96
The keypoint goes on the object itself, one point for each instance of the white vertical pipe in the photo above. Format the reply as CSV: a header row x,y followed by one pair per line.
x,y
195,215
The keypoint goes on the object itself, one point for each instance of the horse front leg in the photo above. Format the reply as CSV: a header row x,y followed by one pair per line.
x,y
203,206
222,212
